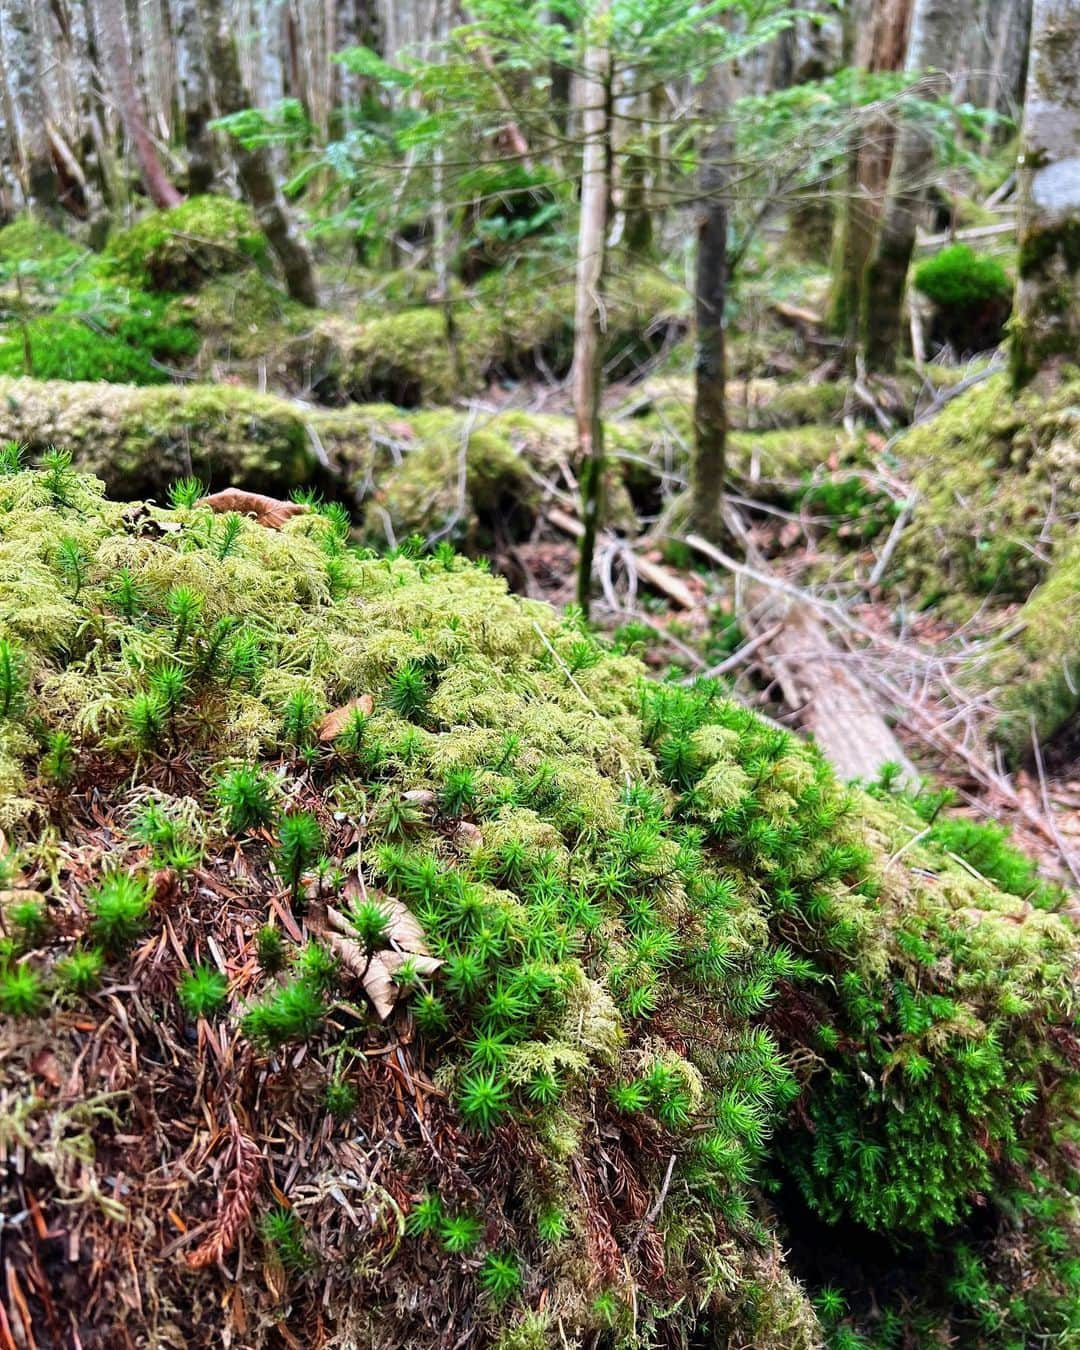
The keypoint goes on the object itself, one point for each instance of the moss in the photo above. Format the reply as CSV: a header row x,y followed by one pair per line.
x,y
178,249
1037,674
28,241
994,474
664,943
957,277
140,440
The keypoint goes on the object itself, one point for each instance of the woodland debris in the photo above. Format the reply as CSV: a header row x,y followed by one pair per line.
x,y
653,574
269,511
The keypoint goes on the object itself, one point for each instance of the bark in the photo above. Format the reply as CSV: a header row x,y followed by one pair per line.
x,y
875,36
936,30
27,123
710,291
587,376
1046,310
110,14
196,108
254,167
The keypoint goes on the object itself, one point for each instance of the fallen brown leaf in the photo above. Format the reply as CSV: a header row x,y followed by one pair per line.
x,y
334,723
269,511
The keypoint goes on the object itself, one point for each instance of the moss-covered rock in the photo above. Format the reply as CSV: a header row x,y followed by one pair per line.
x,y
178,249
139,440
998,479
1036,675
533,970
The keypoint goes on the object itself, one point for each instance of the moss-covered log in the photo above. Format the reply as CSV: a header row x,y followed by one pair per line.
x,y
383,956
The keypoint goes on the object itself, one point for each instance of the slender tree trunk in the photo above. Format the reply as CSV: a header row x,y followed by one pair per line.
x,y
936,29
1046,310
110,15
876,33
193,81
710,409
587,375
254,167
29,113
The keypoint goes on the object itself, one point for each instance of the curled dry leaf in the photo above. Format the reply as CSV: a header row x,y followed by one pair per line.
x,y
334,723
269,511
376,970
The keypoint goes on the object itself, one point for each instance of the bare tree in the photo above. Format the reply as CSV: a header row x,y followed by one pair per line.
x,y
587,376
710,293
27,117
253,164
193,87
936,30
1046,313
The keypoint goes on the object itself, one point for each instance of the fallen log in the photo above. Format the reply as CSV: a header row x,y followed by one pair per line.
x,y
818,685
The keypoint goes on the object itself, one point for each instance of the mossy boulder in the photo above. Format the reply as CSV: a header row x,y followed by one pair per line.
x,y
1036,674
998,478
142,439
178,249
454,980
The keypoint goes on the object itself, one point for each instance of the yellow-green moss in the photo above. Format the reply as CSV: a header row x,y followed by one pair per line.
x,y
716,924
178,249
1036,675
998,479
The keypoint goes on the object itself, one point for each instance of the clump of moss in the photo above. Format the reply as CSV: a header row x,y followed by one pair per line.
x,y
178,249
608,954
998,478
971,293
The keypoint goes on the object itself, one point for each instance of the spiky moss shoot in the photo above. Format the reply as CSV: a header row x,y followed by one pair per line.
x,y
282,1232
203,992
246,797
22,991
628,923
80,972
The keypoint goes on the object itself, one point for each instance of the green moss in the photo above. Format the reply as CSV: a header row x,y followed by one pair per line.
x,y
997,479
178,249
1036,675
655,928
959,278
28,243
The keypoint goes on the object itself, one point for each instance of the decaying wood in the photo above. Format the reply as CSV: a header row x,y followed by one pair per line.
x,y
833,705
653,574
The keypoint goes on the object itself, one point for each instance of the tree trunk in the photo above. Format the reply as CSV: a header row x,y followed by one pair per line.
x,y
1046,311
710,410
253,167
587,375
875,35
27,128
111,27
936,29
195,103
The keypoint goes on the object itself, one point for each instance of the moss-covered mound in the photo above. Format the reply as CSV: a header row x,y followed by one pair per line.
x,y
998,478
455,474
386,963
1036,674
402,348
179,249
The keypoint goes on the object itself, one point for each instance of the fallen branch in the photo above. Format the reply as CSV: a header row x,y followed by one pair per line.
x,y
659,578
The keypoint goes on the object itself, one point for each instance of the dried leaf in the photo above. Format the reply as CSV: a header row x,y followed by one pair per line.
x,y
269,511
335,721
376,970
